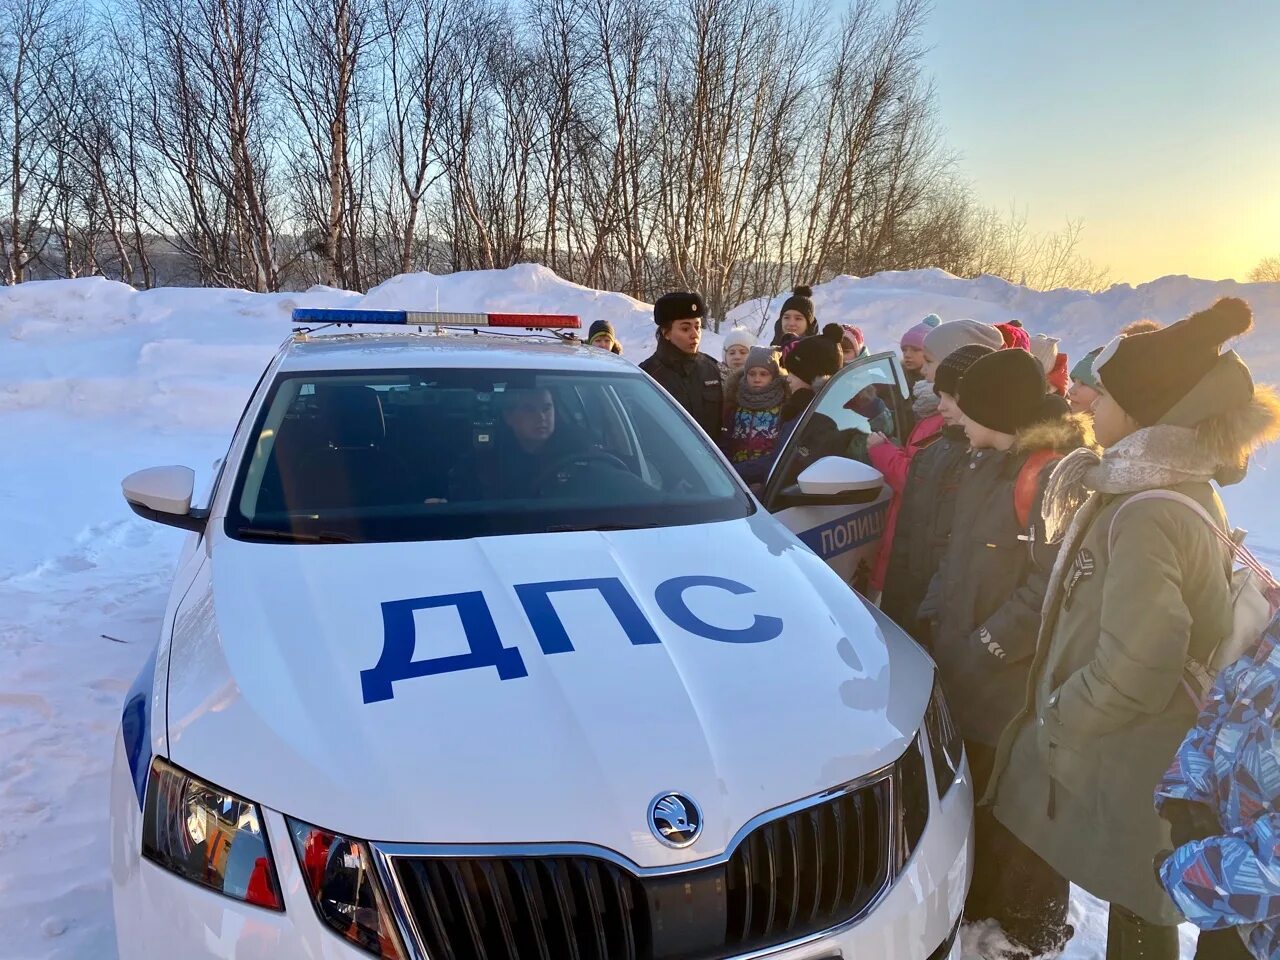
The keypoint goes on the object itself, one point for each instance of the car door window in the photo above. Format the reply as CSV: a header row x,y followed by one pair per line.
x,y
865,397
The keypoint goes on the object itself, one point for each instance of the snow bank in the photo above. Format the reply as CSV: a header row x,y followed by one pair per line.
x,y
97,379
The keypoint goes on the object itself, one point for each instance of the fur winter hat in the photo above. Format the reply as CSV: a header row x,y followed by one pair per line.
x,y
1015,338
738,337
1148,373
801,299
812,357
947,377
1004,391
946,338
766,357
683,305
914,337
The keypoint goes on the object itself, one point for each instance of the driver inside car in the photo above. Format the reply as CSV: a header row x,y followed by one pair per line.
x,y
526,448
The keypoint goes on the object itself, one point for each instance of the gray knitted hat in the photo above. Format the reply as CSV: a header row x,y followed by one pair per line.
x,y
946,338
766,357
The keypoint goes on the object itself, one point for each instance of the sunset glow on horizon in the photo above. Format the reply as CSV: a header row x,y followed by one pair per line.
x,y
1158,125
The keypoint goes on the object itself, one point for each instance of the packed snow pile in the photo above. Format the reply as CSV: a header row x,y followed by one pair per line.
x,y
97,380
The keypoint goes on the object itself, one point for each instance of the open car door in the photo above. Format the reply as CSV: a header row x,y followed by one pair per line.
x,y
823,487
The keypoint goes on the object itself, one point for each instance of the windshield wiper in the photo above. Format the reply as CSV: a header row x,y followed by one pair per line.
x,y
266,533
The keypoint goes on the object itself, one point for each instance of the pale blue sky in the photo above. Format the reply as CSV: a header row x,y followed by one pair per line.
x,y
1158,123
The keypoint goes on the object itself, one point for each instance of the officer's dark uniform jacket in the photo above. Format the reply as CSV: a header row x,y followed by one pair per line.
x,y
693,380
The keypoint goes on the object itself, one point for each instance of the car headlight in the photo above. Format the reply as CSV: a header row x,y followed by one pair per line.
x,y
945,744
344,888
208,836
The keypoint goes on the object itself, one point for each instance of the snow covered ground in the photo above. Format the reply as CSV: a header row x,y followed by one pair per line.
x,y
97,380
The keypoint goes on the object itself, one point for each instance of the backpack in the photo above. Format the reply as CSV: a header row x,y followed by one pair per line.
x,y
1255,597
1027,484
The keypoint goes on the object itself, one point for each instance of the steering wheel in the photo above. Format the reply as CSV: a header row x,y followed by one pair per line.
x,y
577,458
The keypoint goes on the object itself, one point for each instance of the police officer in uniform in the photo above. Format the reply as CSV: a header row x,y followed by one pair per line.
x,y
692,378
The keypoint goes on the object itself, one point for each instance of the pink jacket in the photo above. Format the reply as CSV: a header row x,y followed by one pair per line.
x,y
895,463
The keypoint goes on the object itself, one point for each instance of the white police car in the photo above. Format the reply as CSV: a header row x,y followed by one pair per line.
x,y
480,651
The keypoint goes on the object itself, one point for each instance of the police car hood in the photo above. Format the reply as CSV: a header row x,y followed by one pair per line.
x,y
425,692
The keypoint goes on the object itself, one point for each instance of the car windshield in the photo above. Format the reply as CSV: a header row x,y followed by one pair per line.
x,y
451,454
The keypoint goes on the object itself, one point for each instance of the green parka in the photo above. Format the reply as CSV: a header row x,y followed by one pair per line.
x,y
1076,770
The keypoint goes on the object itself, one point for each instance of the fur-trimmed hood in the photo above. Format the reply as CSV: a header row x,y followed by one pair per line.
x,y
1061,434
1230,437
1231,415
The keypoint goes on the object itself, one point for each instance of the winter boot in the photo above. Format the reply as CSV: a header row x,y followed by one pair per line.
x,y
1129,937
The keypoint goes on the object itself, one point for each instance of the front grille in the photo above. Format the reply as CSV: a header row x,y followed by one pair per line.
x,y
810,870
553,908
802,873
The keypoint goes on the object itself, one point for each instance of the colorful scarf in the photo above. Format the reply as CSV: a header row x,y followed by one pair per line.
x,y
770,396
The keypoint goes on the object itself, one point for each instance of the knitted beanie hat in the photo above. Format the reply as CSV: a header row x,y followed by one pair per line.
x,y
683,305
1045,349
914,337
1003,391
801,299
766,357
1148,373
603,328
949,372
946,338
738,337
812,357
854,343
1082,372
599,327
1015,338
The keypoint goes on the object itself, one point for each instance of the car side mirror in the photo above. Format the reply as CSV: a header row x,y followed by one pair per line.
x,y
163,494
835,475
833,481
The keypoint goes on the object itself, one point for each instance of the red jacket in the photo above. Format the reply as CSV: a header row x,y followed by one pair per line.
x,y
895,463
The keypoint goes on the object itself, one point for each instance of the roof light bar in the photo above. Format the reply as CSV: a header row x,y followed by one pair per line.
x,y
535,321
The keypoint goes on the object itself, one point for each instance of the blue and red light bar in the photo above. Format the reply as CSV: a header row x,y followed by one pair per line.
x,y
525,321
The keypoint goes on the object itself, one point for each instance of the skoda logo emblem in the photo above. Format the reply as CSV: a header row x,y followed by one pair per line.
x,y
675,819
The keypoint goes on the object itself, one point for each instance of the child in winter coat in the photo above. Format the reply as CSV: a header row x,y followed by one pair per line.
x,y
912,345
923,524
854,343
756,394
737,342
796,317
990,588
894,461
1222,799
809,363
602,335
1084,388
1138,589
